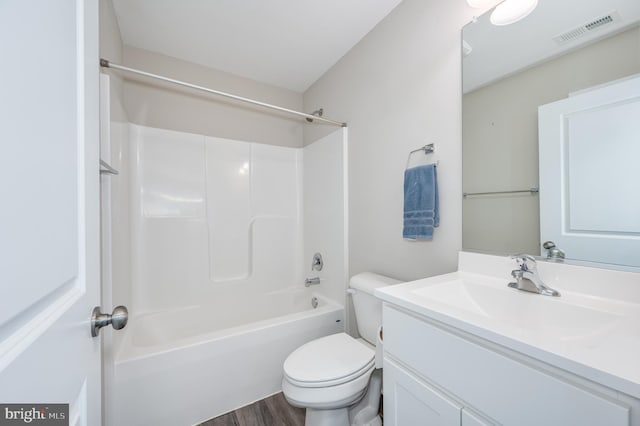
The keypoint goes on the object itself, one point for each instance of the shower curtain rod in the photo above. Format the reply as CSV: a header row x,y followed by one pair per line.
x,y
108,64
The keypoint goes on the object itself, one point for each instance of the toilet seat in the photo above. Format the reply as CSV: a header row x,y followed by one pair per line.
x,y
330,397
328,361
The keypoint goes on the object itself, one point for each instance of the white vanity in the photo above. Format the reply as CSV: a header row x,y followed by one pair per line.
x,y
465,349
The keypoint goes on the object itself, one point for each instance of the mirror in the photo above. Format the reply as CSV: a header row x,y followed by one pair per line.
x,y
551,133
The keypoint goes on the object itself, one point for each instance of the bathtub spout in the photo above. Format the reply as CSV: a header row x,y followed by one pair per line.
x,y
310,281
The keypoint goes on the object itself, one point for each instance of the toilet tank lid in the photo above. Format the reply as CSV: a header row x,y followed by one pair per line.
x,y
368,281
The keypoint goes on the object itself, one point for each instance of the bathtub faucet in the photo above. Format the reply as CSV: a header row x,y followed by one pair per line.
x,y
309,281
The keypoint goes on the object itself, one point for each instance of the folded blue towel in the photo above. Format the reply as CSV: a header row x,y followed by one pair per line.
x,y
421,211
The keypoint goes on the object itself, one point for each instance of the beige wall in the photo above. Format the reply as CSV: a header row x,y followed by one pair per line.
x,y
156,104
501,140
398,89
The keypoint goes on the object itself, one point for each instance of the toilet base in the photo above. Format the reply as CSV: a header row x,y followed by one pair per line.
x,y
337,417
366,412
363,413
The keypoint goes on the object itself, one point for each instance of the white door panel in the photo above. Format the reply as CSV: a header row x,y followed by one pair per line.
x,y
589,149
39,152
49,220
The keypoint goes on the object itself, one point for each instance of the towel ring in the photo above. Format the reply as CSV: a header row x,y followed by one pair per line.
x,y
427,149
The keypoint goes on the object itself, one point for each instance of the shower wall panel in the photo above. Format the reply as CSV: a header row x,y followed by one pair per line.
x,y
228,180
211,217
325,211
276,211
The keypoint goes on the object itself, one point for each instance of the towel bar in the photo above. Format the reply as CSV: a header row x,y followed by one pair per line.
x,y
532,191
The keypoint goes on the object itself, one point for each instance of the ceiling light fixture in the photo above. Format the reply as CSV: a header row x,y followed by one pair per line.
x,y
511,11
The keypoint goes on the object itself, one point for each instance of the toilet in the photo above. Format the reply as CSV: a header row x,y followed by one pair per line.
x,y
337,378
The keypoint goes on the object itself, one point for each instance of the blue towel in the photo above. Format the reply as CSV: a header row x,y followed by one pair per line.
x,y
421,212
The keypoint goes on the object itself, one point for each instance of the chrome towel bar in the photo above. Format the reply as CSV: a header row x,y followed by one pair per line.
x,y
532,191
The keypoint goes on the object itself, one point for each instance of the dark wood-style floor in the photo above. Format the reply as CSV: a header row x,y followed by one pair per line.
x,y
272,411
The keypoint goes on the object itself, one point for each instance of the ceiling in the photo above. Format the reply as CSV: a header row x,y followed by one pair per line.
x,y
286,43
502,51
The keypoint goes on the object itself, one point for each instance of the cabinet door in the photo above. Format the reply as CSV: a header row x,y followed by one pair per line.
x,y
493,382
410,402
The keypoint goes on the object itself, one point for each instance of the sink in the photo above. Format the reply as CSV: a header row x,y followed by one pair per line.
x,y
566,318
592,330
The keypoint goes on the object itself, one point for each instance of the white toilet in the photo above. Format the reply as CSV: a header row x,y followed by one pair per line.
x,y
337,378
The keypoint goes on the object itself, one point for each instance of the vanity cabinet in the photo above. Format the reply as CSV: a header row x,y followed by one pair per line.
x,y
411,401
408,398
435,374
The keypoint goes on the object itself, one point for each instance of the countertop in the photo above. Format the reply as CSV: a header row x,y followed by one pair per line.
x,y
605,351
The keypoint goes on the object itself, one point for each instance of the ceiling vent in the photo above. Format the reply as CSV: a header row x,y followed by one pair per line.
x,y
587,28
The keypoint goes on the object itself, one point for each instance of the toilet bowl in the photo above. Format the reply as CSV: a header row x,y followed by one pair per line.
x,y
335,377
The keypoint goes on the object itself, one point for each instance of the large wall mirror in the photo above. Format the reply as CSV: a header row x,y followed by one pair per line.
x,y
551,133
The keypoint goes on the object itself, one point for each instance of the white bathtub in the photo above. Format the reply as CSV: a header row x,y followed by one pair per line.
x,y
185,366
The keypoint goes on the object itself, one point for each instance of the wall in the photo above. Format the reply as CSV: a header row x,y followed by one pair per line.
x,y
501,140
156,104
398,89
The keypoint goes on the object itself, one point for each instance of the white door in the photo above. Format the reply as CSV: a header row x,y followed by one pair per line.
x,y
589,149
49,208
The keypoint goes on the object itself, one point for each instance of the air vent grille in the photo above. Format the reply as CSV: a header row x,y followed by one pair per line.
x,y
587,28
599,22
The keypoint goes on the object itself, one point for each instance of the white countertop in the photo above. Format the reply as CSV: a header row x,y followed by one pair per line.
x,y
592,330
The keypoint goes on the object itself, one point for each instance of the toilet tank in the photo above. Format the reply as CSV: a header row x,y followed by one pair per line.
x,y
368,308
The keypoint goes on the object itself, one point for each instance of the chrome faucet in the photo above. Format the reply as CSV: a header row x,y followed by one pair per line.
x,y
310,281
527,278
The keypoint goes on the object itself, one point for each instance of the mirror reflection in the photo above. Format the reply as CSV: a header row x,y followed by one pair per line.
x,y
551,133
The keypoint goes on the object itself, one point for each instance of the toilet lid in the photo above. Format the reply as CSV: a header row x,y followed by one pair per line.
x,y
328,361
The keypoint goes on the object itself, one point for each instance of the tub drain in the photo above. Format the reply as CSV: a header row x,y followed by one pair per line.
x,y
314,302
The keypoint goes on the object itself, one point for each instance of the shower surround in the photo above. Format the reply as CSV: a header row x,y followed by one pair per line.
x,y
212,218
221,234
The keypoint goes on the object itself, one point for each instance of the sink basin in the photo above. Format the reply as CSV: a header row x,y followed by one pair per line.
x,y
592,330
566,318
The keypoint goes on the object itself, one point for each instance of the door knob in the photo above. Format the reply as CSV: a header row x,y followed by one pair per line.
x,y
118,319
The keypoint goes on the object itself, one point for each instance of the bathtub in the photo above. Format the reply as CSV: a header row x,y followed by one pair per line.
x,y
188,365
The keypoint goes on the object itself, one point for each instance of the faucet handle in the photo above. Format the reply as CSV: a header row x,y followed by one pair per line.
x,y
317,263
553,252
526,262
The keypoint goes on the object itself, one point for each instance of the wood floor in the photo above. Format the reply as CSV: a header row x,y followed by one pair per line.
x,y
272,411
